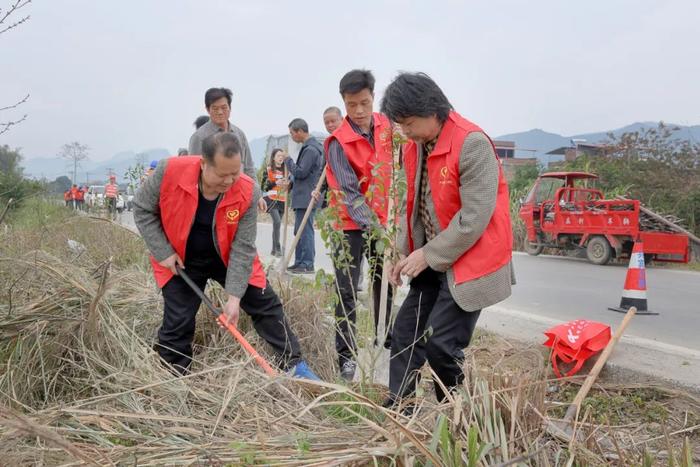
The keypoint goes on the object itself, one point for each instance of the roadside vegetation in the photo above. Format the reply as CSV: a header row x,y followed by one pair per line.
x,y
79,381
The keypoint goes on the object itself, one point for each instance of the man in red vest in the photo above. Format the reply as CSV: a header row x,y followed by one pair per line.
x,y
358,168
198,212
74,196
111,195
80,198
456,234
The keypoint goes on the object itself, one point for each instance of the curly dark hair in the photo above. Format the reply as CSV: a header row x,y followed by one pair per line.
x,y
414,95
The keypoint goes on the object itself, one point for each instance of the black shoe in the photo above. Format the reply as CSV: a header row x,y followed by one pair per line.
x,y
347,370
387,342
303,270
293,267
406,409
277,254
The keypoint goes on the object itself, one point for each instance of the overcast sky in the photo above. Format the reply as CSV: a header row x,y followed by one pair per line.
x,y
131,75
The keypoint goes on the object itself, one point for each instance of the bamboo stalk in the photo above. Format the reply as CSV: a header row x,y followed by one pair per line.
x,y
665,221
388,251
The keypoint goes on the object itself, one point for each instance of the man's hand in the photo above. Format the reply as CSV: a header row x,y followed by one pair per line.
x,y
395,273
171,261
262,205
413,265
232,310
316,195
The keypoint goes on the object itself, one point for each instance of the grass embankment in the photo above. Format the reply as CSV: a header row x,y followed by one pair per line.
x,y
79,381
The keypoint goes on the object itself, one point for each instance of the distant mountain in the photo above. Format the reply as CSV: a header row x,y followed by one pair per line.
x,y
532,143
537,143
52,167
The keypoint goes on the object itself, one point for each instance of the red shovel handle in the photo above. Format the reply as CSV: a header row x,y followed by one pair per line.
x,y
246,345
221,318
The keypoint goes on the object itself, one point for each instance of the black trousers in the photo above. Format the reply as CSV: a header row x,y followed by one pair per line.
x,y
181,305
429,326
347,277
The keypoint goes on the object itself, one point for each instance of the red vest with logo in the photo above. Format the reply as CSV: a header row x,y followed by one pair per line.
x,y
111,190
371,165
276,193
493,250
179,196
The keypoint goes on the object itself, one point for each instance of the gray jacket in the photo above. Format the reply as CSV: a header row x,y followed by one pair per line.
x,y
209,129
478,185
306,172
243,251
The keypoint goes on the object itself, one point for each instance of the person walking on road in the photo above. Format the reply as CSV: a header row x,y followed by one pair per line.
x,y
275,194
358,170
199,213
456,236
111,195
305,173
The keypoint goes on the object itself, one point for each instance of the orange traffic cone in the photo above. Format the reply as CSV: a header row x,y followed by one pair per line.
x,y
634,292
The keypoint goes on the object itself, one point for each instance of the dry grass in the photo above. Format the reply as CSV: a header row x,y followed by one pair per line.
x,y
80,384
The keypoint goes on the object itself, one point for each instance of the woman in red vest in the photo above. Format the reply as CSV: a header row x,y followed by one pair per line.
x,y
199,213
456,233
275,189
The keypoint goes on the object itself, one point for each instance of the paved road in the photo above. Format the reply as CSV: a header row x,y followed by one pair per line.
x,y
566,288
563,289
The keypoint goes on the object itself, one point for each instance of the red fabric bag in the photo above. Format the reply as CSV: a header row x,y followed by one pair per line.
x,y
575,342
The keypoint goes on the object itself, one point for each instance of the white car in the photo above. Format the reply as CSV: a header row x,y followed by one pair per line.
x,y
95,196
121,204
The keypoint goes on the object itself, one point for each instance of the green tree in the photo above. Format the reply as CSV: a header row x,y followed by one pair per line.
x,y
654,166
525,175
59,185
12,181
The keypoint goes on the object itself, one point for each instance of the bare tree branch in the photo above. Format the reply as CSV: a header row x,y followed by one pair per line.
x,y
5,126
13,8
15,105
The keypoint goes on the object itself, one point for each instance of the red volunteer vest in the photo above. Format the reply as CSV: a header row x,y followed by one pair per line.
x,y
74,193
179,196
371,165
494,248
111,190
277,192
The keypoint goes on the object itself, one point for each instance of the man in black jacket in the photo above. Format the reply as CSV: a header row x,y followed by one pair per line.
x,y
305,172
